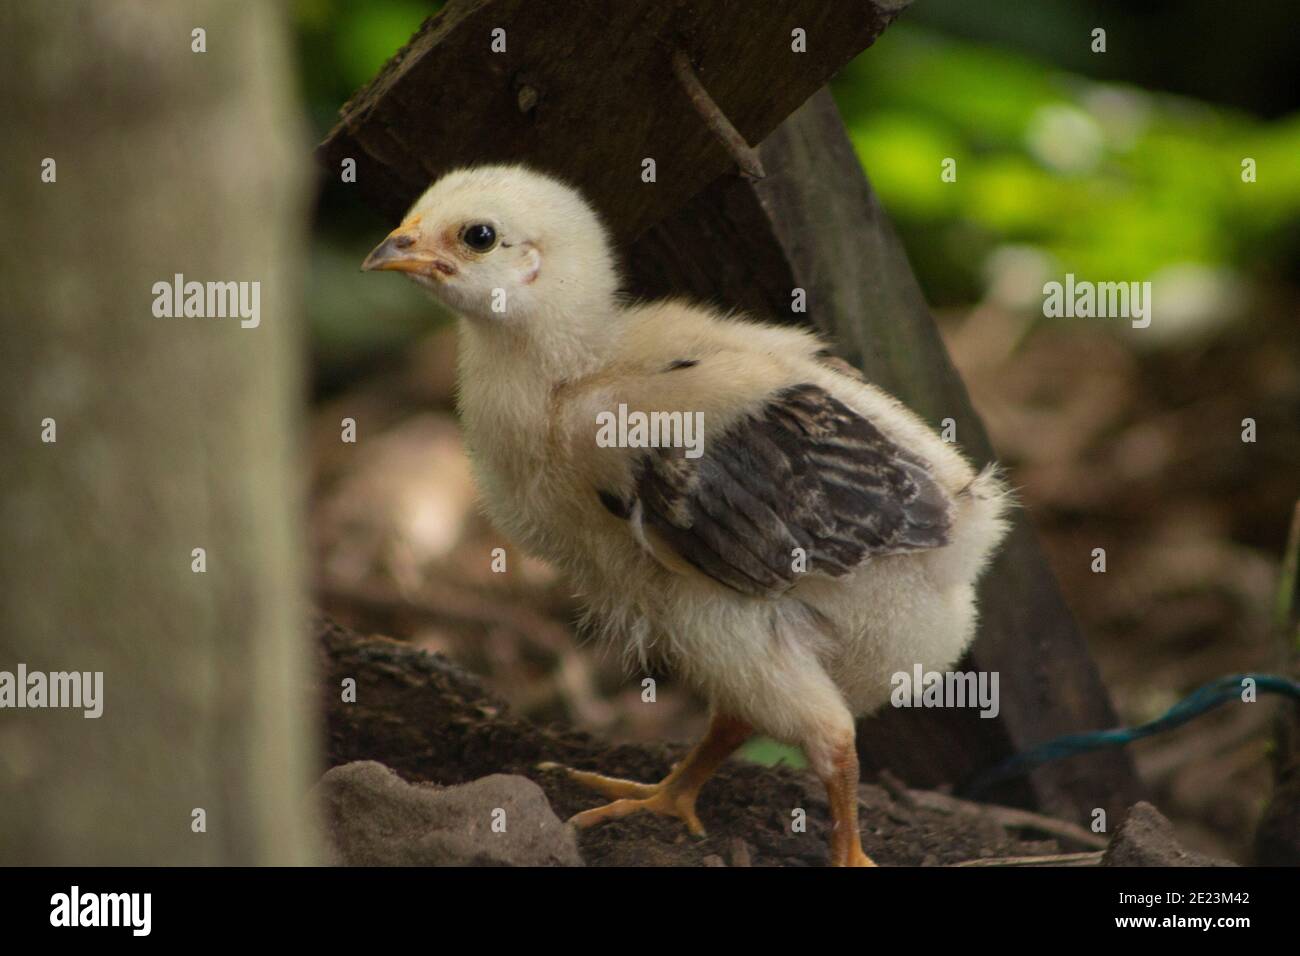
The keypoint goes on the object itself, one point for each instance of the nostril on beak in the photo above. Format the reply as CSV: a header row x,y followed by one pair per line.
x,y
392,254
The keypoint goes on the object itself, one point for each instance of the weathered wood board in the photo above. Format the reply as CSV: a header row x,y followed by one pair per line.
x,y
585,89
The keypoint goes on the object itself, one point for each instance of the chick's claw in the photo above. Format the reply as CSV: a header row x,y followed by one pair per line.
x,y
664,803
615,787
855,857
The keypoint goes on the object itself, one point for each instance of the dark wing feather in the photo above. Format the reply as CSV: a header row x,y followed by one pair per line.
x,y
804,472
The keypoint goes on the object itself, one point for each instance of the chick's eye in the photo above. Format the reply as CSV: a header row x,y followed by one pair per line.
x,y
479,236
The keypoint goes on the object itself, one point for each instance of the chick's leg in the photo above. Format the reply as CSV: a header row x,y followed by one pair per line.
x,y
673,796
841,780
810,710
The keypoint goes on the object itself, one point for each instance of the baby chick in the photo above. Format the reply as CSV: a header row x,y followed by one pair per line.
x,y
820,539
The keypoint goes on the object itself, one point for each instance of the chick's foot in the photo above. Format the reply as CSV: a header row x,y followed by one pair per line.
x,y
631,796
675,795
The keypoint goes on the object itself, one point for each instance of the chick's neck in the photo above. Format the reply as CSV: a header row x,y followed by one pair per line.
x,y
508,372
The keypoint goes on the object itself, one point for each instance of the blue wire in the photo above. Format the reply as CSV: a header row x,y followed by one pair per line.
x,y
1200,701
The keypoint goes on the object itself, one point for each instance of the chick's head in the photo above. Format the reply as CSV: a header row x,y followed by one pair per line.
x,y
505,245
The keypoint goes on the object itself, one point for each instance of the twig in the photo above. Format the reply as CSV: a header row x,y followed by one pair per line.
x,y
1060,859
895,787
1009,818
715,119
1287,610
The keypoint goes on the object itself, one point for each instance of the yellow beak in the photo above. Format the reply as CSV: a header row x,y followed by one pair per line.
x,y
397,253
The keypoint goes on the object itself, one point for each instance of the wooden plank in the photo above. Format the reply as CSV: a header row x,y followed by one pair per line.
x,y
814,223
585,89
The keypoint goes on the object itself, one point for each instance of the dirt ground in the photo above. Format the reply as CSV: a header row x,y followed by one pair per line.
x,y
1137,451
424,717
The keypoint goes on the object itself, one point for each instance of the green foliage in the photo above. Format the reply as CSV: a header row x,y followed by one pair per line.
x,y
772,753
354,317
343,44
1109,180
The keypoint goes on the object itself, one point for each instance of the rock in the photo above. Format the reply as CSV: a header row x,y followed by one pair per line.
x,y
373,817
1145,838
740,853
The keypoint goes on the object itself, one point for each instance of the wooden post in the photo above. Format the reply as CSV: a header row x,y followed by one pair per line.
x,y
130,440
595,108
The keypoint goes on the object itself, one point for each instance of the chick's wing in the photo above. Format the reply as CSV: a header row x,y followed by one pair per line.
x,y
802,484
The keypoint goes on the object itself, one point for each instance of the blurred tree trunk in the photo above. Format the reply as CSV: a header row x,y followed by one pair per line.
x,y
172,434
